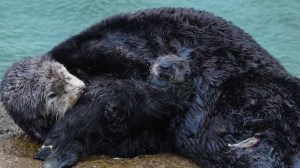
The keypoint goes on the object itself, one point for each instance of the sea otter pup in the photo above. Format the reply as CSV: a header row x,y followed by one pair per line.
x,y
38,91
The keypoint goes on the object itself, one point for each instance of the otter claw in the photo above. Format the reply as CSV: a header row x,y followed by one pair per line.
x,y
48,146
43,152
247,143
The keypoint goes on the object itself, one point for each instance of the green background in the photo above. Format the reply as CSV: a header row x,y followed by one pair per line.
x,y
33,27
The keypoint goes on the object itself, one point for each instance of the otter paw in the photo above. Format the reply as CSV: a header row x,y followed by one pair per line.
x,y
62,161
43,152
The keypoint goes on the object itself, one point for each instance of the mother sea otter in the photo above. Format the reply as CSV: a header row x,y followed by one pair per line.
x,y
243,94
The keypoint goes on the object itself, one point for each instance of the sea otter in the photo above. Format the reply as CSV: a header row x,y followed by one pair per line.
x,y
38,91
243,94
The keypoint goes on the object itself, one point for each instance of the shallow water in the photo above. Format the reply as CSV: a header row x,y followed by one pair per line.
x,y
33,27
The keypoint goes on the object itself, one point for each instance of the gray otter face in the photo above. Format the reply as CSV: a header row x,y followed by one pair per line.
x,y
62,90
39,87
169,69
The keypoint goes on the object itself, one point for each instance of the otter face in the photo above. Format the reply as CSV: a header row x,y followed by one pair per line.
x,y
62,89
39,88
169,68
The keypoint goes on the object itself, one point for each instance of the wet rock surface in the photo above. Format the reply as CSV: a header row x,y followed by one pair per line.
x,y
16,151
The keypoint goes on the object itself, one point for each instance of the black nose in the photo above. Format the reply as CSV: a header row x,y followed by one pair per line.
x,y
165,65
83,89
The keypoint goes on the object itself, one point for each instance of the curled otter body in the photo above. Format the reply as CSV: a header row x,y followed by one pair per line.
x,y
37,91
240,90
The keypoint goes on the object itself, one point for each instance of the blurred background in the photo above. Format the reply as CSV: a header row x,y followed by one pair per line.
x,y
33,27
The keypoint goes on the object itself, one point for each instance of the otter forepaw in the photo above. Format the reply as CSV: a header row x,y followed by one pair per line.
x,y
62,161
43,152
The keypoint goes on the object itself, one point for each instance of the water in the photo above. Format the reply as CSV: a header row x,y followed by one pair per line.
x,y
33,27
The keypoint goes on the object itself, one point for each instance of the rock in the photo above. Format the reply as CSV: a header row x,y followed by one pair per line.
x,y
7,125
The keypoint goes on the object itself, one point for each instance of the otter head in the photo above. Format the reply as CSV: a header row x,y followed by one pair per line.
x,y
169,69
39,88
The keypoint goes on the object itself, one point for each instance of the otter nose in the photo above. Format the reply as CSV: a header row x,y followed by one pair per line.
x,y
83,89
165,65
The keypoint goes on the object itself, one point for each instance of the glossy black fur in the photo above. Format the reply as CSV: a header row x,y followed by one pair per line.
x,y
122,118
246,106
241,90
128,44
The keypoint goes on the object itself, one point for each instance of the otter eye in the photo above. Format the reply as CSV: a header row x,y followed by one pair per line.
x,y
51,96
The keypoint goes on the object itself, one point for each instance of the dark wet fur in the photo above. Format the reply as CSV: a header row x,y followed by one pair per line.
x,y
120,118
242,91
128,44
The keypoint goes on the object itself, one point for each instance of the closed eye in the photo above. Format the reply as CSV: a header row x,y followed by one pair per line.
x,y
51,96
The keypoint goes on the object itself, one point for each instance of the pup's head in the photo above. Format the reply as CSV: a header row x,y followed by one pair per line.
x,y
39,87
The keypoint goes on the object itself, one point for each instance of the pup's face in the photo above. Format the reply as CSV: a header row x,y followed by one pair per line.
x,y
40,87
62,89
169,69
